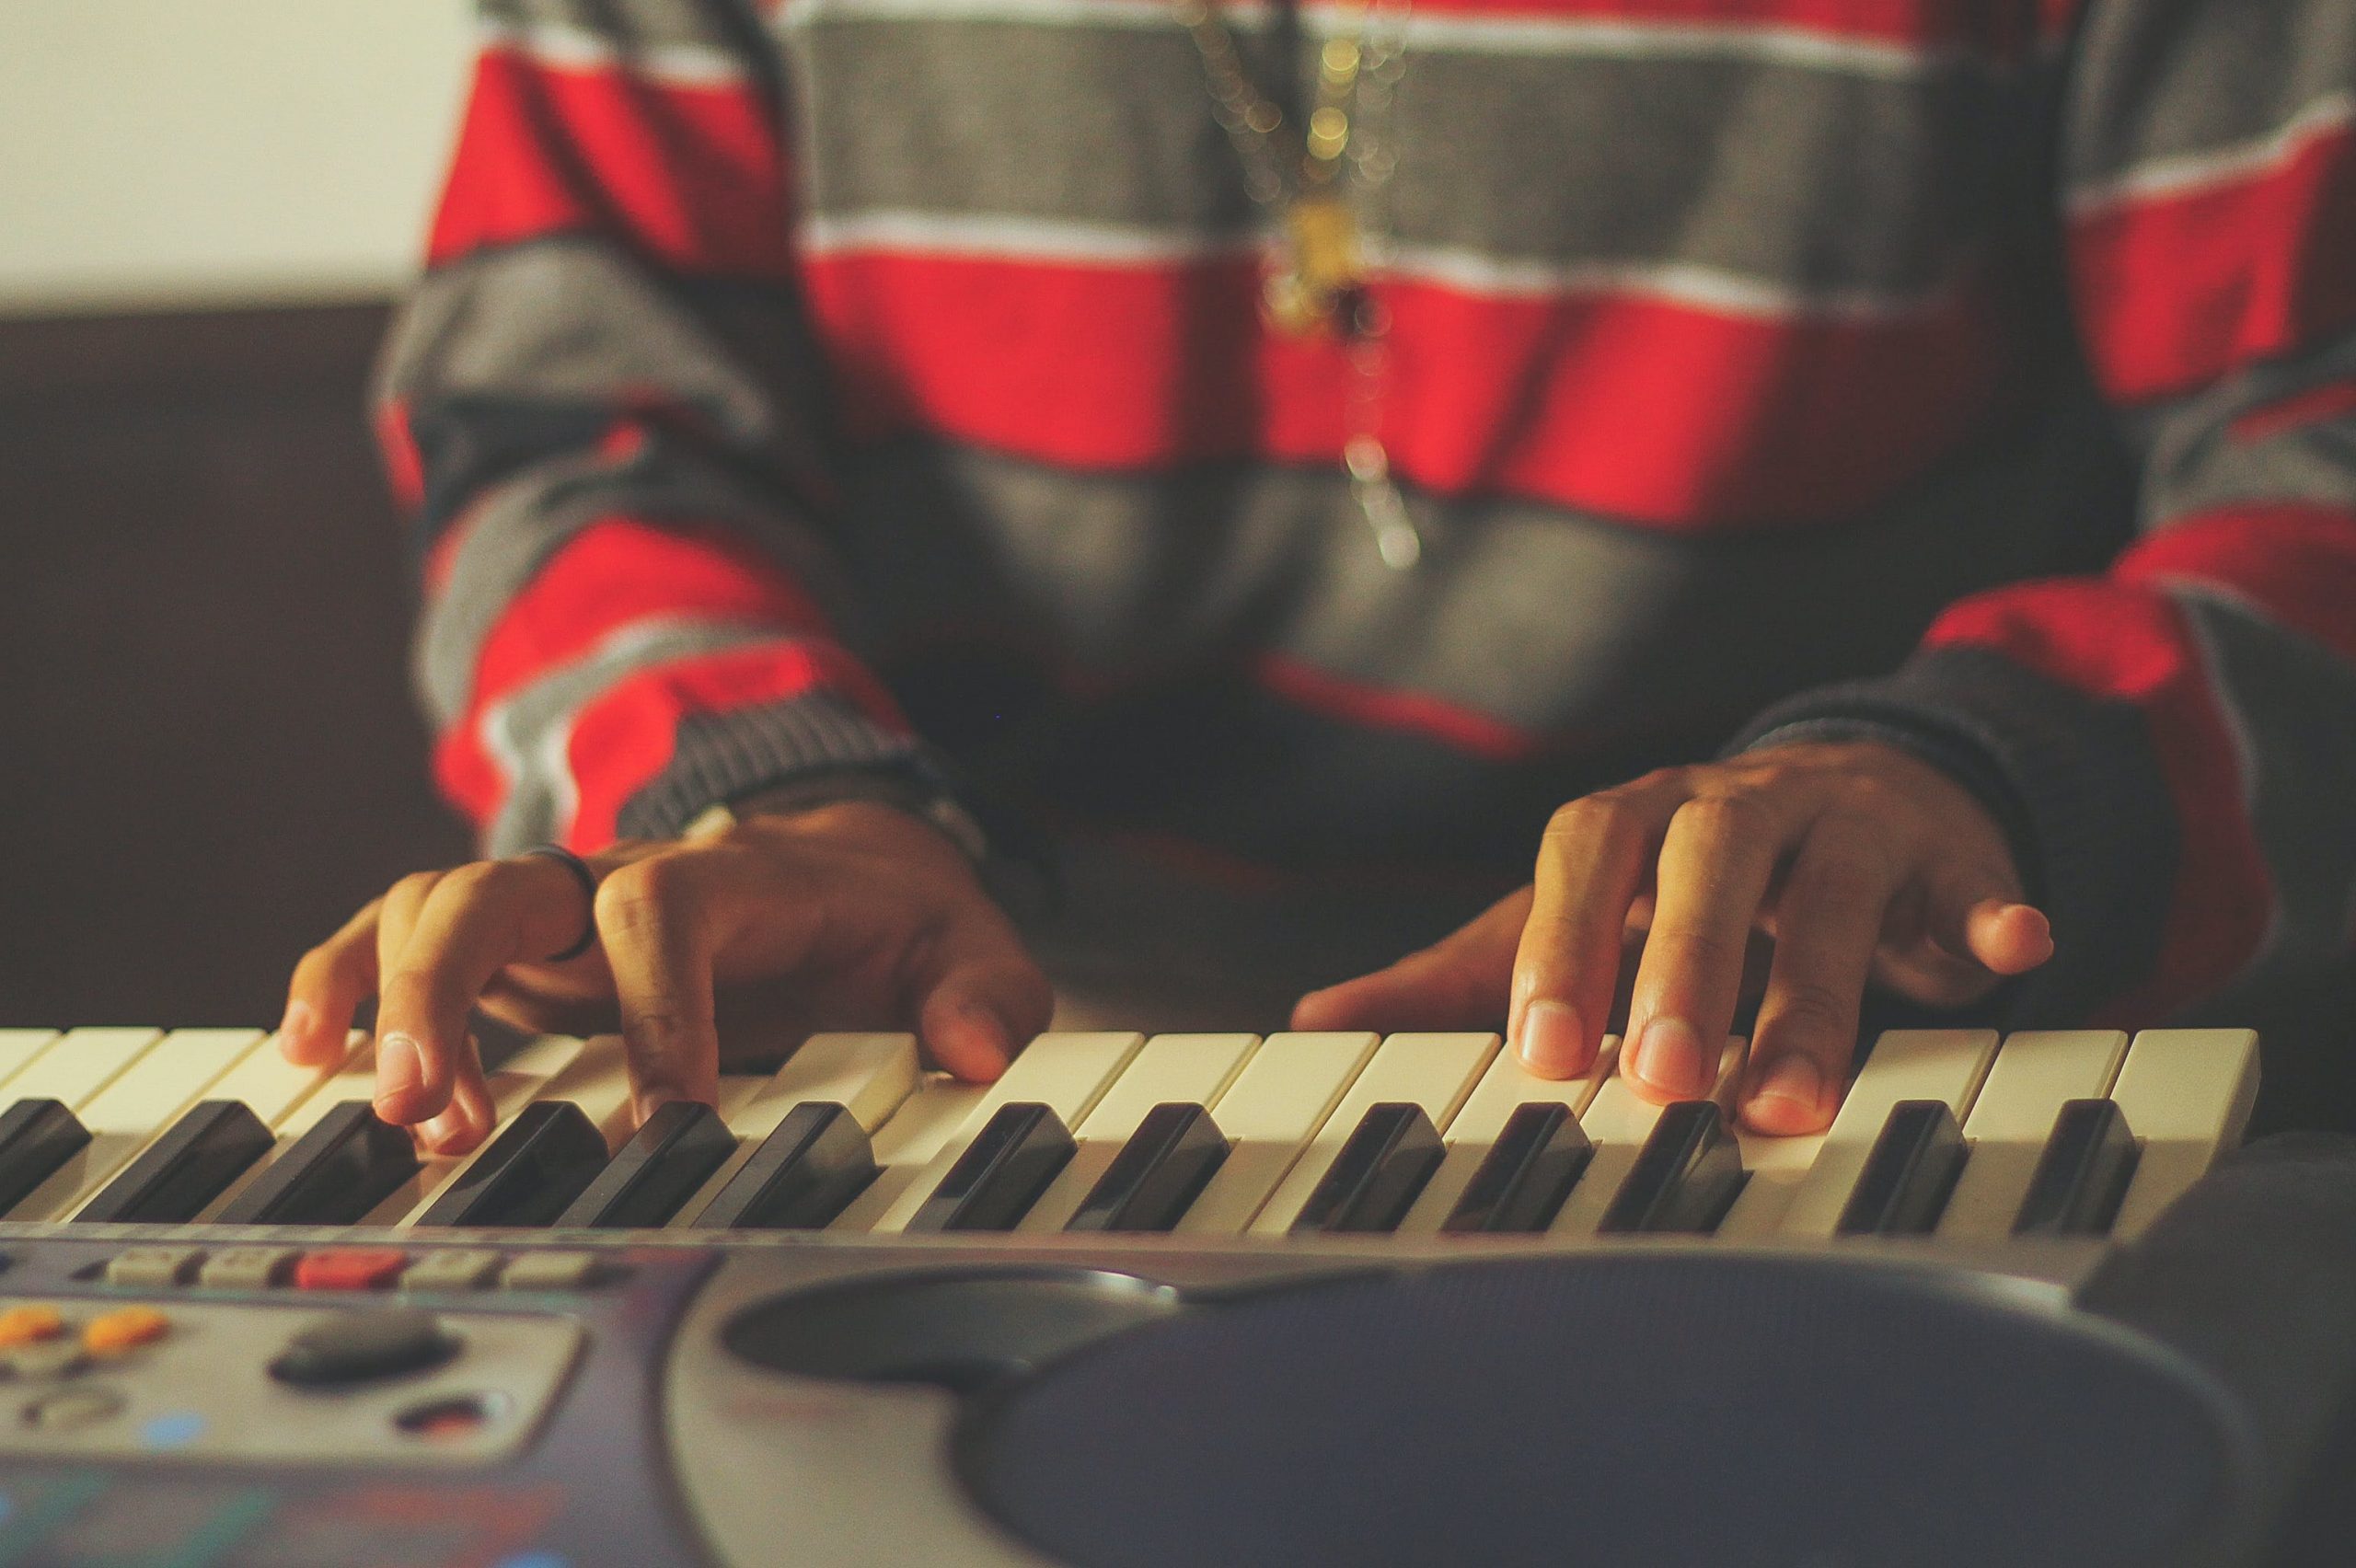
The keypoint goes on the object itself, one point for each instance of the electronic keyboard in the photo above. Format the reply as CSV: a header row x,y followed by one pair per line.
x,y
1103,1309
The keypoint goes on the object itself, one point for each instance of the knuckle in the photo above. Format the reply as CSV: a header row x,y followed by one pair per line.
x,y
473,878
638,896
414,991
1727,817
1699,951
1812,1010
412,888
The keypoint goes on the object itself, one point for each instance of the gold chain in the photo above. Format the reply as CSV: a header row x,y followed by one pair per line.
x,y
1317,282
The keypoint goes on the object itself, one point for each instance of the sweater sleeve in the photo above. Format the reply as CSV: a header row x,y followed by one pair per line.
x,y
2175,741
600,407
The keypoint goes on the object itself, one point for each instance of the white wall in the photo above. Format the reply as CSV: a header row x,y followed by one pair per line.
x,y
174,152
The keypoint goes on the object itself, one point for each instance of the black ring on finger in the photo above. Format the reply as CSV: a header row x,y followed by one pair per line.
x,y
588,881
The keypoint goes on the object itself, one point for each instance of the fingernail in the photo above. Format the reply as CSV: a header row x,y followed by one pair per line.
x,y
1552,1040
400,1069
1668,1057
1793,1079
298,1024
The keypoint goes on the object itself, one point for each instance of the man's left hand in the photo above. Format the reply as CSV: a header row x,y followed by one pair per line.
x,y
1858,859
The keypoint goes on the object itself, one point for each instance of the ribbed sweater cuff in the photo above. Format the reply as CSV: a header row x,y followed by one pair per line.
x,y
721,757
2072,779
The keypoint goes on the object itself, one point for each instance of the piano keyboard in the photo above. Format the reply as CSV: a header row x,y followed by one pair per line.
x,y
1956,1135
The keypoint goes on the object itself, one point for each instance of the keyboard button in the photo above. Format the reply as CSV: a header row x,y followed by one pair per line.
x,y
1434,1071
2188,1094
1504,1089
2083,1175
37,1138
149,1268
1175,1152
453,1268
802,1175
527,1174
30,1324
549,1271
1529,1171
334,1174
125,1328
2034,1074
349,1268
1685,1176
1909,1174
1378,1173
1001,1172
174,1177
363,1347
664,1163
1945,1065
247,1268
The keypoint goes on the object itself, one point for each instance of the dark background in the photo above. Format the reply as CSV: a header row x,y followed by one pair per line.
x,y
208,754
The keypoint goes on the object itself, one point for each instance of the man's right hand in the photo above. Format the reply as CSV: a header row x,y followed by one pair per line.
x,y
852,915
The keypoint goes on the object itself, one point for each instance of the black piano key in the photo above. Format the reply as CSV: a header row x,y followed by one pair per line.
x,y
1526,1174
2083,1173
672,1155
1378,1173
1001,1173
802,1174
529,1174
1908,1175
347,1164
180,1172
1684,1178
1163,1167
36,1136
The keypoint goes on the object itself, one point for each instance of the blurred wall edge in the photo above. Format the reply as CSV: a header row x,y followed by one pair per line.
x,y
207,754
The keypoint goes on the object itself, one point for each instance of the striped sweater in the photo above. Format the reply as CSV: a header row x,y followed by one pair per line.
x,y
790,381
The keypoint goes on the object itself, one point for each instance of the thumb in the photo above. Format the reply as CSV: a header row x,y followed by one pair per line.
x,y
1459,982
1982,920
983,999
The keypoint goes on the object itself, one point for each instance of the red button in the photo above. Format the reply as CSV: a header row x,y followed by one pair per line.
x,y
349,1268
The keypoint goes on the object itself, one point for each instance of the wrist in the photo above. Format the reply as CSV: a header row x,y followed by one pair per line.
x,y
836,787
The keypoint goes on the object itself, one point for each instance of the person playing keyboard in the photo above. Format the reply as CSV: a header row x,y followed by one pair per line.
x,y
1878,481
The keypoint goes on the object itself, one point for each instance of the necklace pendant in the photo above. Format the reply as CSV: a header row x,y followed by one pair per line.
x,y
1318,272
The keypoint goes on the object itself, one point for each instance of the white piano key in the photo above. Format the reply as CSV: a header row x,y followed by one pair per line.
x,y
1285,1093
1617,1120
514,1084
597,1081
1777,1166
2186,1095
1504,1088
1434,1071
1066,1073
18,1047
869,1074
1194,1068
924,1128
1906,1064
273,1086
136,1105
2035,1073
74,1068
303,1094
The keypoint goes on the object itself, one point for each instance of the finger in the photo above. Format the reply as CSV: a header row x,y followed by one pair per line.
x,y
1591,868
2008,937
1462,981
326,990
652,919
1717,860
470,1116
1828,923
475,922
982,999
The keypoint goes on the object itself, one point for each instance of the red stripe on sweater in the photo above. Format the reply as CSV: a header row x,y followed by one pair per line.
x,y
2296,565
692,176
628,733
1997,31
2179,290
403,466
2313,406
1661,414
2120,643
1402,711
